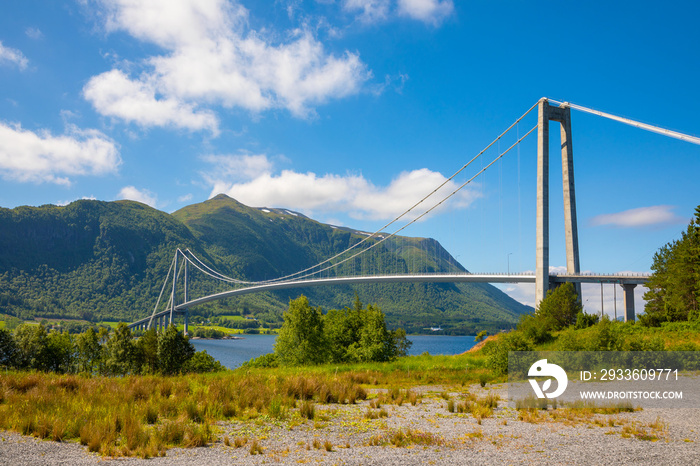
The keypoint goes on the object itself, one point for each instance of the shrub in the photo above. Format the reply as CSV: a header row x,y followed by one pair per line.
x,y
584,320
265,360
535,328
201,362
497,351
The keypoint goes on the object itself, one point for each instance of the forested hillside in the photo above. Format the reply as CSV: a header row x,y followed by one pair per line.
x,y
106,260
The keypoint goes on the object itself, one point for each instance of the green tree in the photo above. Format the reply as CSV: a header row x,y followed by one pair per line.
x,y
122,353
559,309
148,346
32,342
354,334
401,343
174,350
674,286
89,352
375,342
301,339
343,328
60,352
9,352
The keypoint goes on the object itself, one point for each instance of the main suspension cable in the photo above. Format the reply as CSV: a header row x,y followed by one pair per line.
x,y
379,231
424,213
636,124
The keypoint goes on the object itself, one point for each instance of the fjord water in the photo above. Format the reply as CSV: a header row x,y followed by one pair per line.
x,y
233,353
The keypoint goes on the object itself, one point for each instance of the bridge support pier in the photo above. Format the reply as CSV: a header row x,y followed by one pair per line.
x,y
629,302
563,116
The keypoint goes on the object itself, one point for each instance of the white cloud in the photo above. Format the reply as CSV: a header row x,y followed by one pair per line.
x,y
429,11
140,195
250,180
85,198
641,217
42,157
237,167
34,33
185,198
213,58
12,56
371,11
114,94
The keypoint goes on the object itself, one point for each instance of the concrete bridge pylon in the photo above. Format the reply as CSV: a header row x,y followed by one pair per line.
x,y
562,115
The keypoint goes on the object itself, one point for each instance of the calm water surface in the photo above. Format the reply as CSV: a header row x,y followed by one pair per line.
x,y
233,353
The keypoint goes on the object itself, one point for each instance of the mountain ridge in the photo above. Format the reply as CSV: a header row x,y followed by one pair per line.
x,y
94,259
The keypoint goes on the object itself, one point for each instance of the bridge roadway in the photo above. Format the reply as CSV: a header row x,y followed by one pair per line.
x,y
628,282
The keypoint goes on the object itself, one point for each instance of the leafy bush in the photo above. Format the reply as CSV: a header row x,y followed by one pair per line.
x,y
605,337
264,360
202,362
584,320
535,328
497,351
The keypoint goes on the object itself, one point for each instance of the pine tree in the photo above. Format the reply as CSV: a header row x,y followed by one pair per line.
x,y
674,287
560,308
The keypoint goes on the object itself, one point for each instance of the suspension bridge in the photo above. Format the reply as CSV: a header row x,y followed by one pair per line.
x,y
346,267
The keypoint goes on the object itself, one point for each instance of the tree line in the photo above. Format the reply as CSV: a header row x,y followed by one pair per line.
x,y
674,286
101,352
355,334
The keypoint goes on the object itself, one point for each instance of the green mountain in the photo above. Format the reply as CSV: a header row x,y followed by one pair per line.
x,y
107,260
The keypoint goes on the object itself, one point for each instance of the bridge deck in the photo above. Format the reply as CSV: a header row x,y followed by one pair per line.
x,y
417,278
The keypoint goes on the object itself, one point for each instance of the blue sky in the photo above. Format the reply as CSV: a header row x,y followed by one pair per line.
x,y
348,110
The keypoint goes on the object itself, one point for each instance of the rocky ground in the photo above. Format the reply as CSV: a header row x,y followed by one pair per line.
x,y
424,433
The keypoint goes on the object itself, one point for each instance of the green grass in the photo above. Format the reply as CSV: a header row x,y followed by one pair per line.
x,y
228,331
232,318
111,324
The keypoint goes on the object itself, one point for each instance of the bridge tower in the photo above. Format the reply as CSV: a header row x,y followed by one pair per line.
x,y
562,115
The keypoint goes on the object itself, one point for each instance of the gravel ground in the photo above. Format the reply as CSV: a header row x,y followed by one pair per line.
x,y
456,439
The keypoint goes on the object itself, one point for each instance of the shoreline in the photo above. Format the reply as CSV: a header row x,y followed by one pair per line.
x,y
223,338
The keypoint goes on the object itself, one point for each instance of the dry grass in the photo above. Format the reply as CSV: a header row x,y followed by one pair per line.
x,y
479,408
589,413
405,438
145,415
376,413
